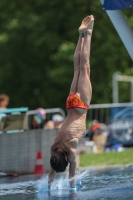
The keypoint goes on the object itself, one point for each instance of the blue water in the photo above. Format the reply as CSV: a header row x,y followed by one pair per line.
x,y
96,185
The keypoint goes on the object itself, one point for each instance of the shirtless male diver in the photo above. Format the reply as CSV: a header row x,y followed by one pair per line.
x,y
63,151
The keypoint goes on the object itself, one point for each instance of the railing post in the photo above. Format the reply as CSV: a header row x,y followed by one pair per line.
x,y
115,89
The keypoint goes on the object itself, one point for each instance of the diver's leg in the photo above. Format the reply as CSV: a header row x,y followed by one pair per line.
x,y
84,89
74,84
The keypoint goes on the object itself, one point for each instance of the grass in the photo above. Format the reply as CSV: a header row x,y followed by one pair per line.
x,y
109,158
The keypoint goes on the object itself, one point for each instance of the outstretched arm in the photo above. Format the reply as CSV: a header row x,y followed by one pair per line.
x,y
72,172
51,177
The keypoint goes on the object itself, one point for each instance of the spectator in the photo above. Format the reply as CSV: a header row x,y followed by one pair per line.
x,y
4,101
56,122
38,118
95,129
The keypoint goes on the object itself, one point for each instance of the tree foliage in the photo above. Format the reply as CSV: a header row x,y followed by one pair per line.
x,y
37,42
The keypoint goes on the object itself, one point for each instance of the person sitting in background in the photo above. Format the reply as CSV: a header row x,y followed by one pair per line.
x,y
56,122
96,128
4,101
38,118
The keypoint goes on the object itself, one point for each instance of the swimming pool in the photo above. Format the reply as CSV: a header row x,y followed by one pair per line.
x,y
97,185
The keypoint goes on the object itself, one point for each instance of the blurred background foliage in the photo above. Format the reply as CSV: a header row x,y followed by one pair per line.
x,y
37,42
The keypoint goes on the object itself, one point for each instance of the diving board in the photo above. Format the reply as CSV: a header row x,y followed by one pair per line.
x,y
119,21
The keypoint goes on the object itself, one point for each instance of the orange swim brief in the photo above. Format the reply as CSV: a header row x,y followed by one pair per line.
x,y
74,101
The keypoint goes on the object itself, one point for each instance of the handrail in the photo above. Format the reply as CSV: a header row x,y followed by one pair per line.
x,y
110,105
48,110
12,110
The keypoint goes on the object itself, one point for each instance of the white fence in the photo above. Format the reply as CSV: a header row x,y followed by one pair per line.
x,y
18,151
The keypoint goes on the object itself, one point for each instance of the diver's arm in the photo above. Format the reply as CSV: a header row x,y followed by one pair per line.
x,y
72,170
54,147
51,177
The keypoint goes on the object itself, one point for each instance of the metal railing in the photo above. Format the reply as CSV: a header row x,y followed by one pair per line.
x,y
102,112
28,119
49,111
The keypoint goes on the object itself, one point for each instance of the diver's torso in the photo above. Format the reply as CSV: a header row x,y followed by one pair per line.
x,y
72,129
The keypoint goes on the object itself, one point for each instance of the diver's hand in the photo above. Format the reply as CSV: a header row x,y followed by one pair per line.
x,y
72,170
49,186
51,178
72,182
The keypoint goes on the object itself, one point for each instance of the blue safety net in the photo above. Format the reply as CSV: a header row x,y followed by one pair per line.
x,y
117,4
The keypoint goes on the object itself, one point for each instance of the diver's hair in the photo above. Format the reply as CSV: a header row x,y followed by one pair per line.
x,y
58,161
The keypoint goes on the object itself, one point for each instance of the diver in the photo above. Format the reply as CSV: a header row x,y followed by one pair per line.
x,y
63,151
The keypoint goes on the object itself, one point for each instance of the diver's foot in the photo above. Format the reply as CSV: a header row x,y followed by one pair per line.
x,y
87,24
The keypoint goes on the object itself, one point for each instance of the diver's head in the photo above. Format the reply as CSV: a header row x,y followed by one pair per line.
x,y
59,161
